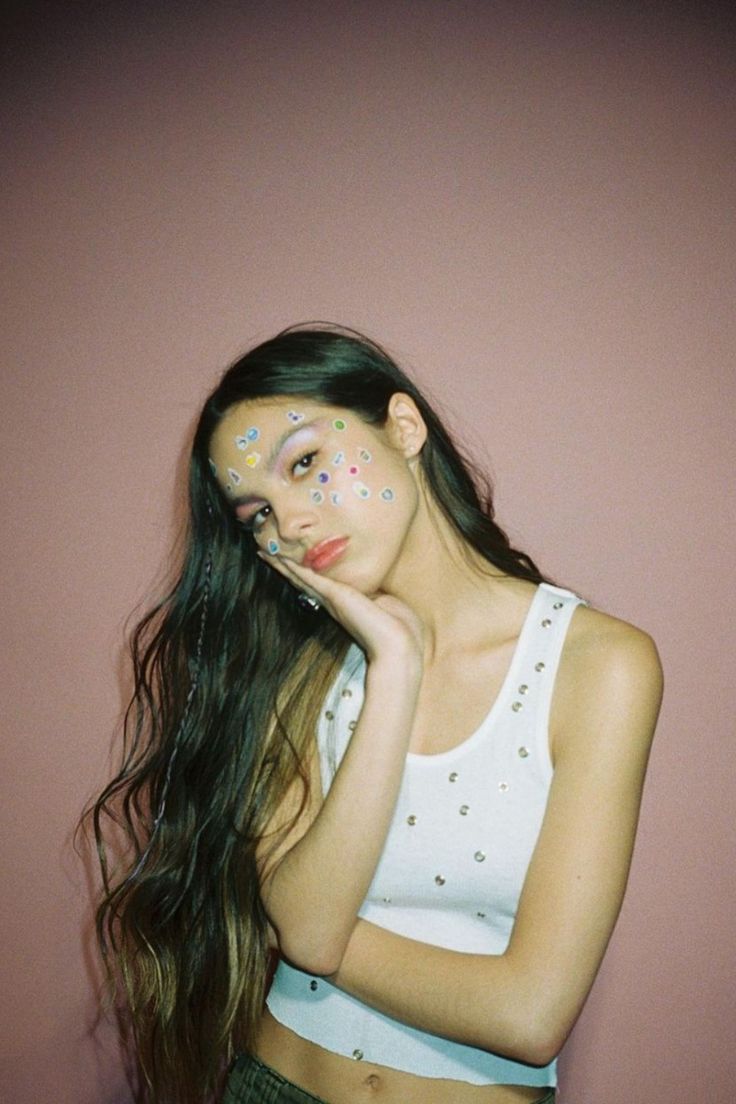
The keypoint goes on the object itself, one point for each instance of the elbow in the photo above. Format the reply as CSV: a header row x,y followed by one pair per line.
x,y
319,956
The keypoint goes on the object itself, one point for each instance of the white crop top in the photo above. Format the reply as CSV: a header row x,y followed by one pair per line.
x,y
465,825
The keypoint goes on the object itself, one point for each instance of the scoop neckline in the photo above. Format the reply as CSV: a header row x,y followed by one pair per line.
x,y
469,742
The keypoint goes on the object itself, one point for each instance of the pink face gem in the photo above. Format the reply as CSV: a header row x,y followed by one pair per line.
x,y
354,470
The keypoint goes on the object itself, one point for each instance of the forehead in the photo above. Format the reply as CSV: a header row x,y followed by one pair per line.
x,y
268,422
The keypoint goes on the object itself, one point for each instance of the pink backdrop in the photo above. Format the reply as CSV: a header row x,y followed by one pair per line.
x,y
532,205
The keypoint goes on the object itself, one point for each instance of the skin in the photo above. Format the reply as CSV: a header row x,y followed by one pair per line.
x,y
438,626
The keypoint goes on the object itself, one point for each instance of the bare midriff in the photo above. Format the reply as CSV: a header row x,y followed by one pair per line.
x,y
339,1080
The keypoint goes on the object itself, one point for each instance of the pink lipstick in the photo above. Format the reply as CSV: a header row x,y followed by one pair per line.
x,y
324,554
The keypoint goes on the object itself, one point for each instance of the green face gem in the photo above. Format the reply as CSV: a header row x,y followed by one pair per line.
x,y
339,423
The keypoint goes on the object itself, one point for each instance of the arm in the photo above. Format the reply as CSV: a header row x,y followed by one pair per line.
x,y
313,884
311,893
523,1003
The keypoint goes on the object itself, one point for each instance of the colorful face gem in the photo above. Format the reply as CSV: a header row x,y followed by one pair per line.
x,y
364,455
253,433
242,443
361,490
273,547
354,469
234,476
294,417
213,465
338,458
335,498
229,488
387,494
340,424
316,496
323,477
252,459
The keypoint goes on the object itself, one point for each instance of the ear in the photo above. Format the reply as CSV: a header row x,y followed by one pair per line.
x,y
405,426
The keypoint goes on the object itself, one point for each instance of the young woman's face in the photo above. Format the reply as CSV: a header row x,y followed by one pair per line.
x,y
299,473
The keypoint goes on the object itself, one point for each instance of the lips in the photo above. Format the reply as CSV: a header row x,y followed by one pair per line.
x,y
325,553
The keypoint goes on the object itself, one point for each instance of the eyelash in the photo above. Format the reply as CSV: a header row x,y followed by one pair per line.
x,y
250,526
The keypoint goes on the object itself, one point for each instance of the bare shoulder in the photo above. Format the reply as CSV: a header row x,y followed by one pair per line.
x,y
609,679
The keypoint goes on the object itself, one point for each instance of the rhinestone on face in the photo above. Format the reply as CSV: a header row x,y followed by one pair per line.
x,y
557,605
523,752
480,856
454,776
546,623
353,725
503,786
330,715
411,819
464,810
517,706
439,880
313,985
357,1054
523,688
539,666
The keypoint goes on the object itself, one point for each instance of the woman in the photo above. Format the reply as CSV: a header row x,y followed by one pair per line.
x,y
369,734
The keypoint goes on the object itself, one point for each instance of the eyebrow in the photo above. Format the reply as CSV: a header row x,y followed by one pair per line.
x,y
245,499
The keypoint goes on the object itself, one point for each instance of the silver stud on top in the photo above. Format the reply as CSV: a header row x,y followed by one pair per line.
x,y
482,915
464,810
353,725
330,715
411,819
439,880
523,752
480,856
546,623
539,666
387,900
517,706
523,689
347,693
313,985
503,786
453,777
557,605
357,1054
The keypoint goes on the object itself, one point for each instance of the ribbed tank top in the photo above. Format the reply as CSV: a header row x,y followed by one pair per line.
x,y
452,869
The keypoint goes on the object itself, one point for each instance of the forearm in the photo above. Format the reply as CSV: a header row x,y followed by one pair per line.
x,y
481,1000
486,1001
313,894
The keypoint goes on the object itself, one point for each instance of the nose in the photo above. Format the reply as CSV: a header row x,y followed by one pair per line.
x,y
295,515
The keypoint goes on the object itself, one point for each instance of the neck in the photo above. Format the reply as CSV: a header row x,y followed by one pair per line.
x,y
460,596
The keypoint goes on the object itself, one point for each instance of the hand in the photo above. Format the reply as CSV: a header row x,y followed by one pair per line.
x,y
383,626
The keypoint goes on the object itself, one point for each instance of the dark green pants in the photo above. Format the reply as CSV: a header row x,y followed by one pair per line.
x,y
252,1082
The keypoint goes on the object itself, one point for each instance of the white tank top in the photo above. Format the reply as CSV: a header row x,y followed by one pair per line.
x,y
452,869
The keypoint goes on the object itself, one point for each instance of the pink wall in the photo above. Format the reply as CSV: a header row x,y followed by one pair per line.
x,y
532,205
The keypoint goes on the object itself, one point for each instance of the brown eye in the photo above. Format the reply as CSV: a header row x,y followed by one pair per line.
x,y
304,461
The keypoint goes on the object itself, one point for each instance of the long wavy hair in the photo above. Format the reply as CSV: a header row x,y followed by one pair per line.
x,y
230,673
